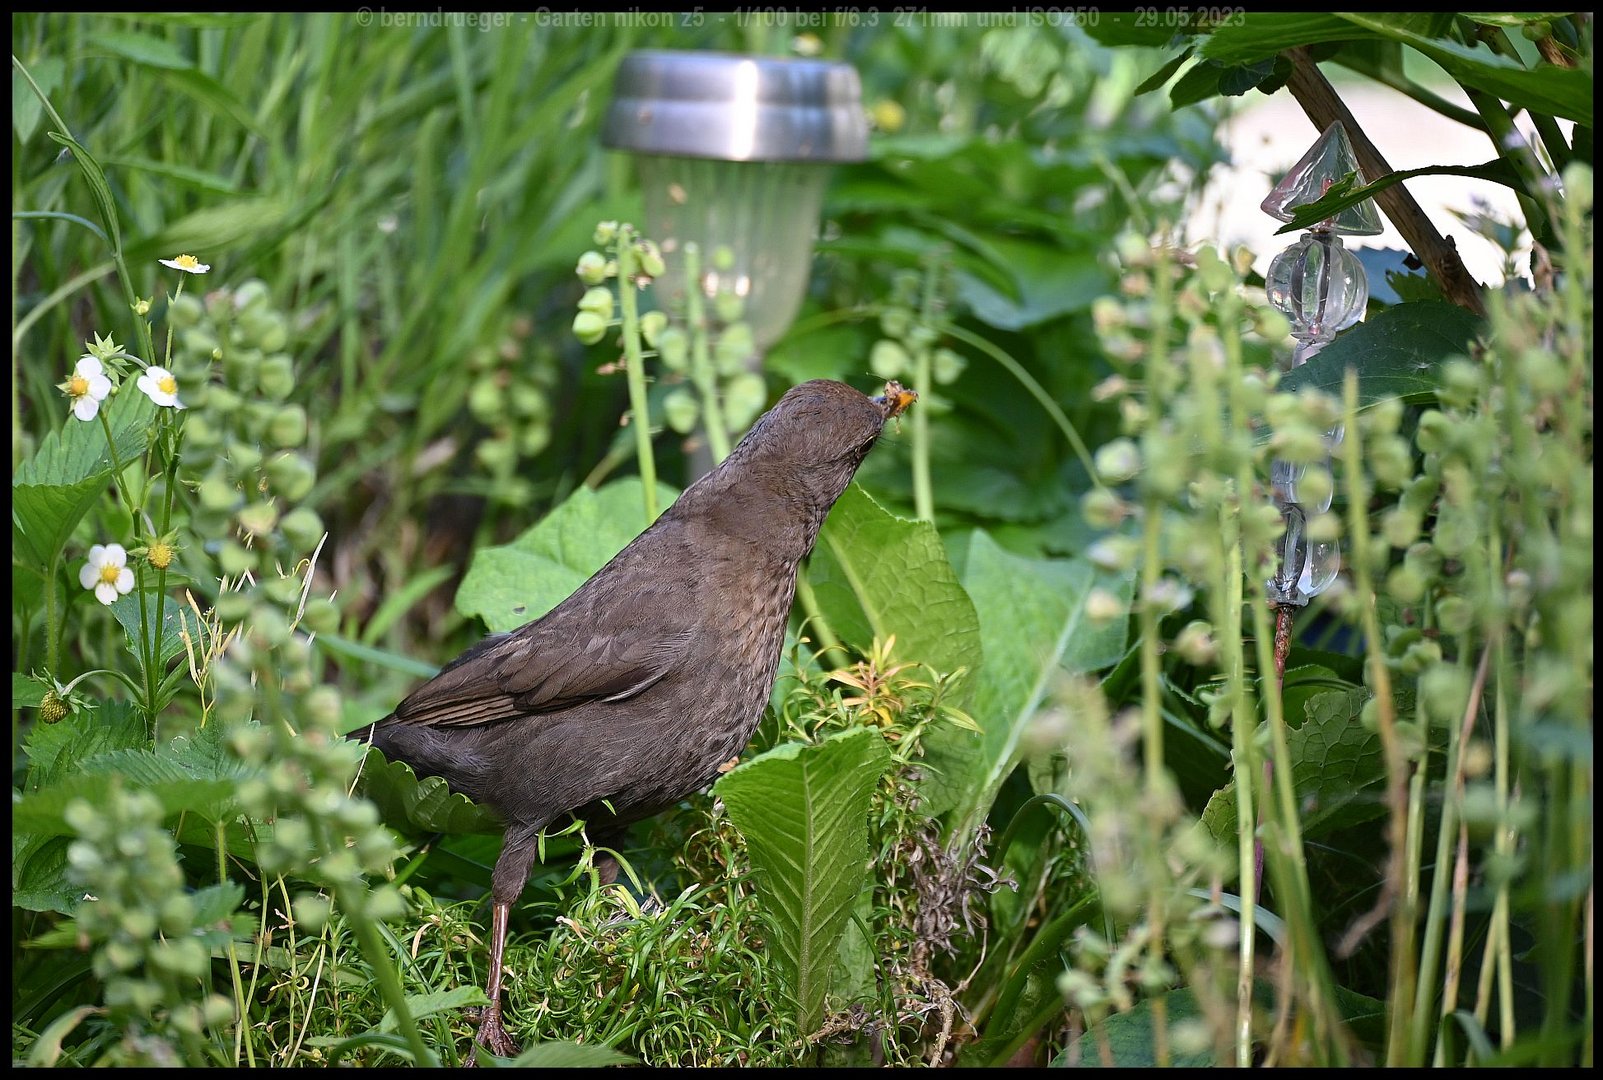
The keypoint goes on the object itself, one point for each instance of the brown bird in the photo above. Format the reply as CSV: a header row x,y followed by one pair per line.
x,y
632,691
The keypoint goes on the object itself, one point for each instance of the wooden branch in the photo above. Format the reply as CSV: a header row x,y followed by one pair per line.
x,y
1320,101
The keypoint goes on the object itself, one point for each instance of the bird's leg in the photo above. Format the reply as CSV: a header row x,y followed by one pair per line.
x,y
492,1034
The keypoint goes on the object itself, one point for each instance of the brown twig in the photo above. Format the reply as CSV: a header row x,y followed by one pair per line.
x,y
1320,101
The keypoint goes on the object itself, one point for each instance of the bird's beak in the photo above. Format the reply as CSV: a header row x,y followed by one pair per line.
x,y
895,399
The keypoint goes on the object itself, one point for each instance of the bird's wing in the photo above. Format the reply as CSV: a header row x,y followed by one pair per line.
x,y
580,652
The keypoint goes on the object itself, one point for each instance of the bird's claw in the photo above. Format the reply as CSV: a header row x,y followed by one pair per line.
x,y
492,1035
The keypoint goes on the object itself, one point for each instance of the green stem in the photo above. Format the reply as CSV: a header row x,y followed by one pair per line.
x,y
640,413
1558,150
1407,87
701,369
147,665
389,980
923,385
1400,995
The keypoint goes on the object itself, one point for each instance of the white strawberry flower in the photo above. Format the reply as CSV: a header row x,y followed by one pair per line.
x,y
107,573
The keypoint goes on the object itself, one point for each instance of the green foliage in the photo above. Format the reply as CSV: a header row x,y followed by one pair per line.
x,y
803,812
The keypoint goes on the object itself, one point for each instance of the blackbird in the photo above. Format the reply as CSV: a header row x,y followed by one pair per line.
x,y
631,693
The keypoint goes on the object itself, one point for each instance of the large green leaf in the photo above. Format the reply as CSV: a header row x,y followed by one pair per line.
x,y
1047,283
176,620
803,810
1337,770
876,575
1033,626
1549,89
1398,353
39,872
55,750
53,489
516,583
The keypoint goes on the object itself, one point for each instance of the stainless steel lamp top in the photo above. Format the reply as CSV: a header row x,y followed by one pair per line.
x,y
736,108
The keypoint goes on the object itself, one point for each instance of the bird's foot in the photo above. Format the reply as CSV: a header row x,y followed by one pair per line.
x,y
492,1035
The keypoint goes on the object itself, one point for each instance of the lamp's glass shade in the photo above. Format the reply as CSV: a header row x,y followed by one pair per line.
x,y
765,213
734,153
1319,285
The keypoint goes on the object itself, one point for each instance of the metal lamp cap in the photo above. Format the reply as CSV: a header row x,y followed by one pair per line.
x,y
731,107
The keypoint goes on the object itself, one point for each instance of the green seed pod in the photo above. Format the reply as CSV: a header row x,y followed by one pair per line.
x,y
222,400
276,376
198,341
231,607
311,912
496,455
723,258
728,307
1405,585
283,590
1195,644
534,439
648,256
288,427
1316,485
673,346
258,518
321,707
255,417
176,914
734,346
184,312
589,327
240,367
592,268
1118,461
486,401
1400,527
681,410
1420,494
1462,383
322,616
598,301
1102,509
236,559
291,476
1542,372
1324,527
253,294
888,360
947,365
652,324
268,628
1390,461
1299,445
243,459
274,334
529,401
302,528
1444,692
744,396
894,322
1383,418
1455,615
1435,432
385,904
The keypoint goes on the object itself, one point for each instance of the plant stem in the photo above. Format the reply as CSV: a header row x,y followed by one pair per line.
x,y
923,384
701,369
639,411
1400,994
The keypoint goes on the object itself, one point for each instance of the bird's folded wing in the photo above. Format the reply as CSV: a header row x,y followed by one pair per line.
x,y
561,661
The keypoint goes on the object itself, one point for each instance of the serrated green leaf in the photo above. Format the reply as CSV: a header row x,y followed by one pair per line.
x,y
177,620
426,805
39,872
56,750
1398,353
27,692
516,583
53,489
1033,626
217,903
1337,768
803,811
876,575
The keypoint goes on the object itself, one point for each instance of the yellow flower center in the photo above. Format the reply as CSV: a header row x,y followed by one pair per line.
x,y
167,384
187,262
161,555
77,386
108,574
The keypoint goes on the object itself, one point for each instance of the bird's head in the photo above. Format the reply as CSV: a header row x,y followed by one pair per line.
x,y
803,452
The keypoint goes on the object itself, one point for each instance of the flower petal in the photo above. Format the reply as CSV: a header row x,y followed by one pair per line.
x,y
88,367
89,576
125,580
99,387
106,592
86,407
116,555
